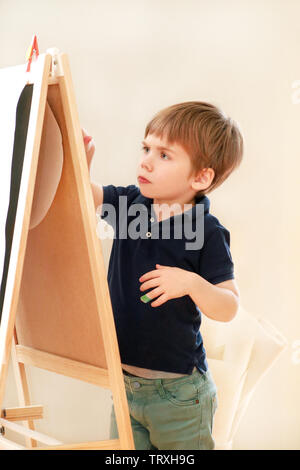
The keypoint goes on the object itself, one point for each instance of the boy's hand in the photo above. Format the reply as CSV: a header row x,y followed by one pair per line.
x,y
89,147
169,283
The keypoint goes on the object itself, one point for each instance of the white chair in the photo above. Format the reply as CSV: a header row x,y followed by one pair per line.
x,y
239,353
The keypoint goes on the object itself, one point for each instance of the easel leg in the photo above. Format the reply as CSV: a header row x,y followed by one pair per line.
x,y
22,388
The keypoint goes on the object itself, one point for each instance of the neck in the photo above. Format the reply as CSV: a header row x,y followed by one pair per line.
x,y
179,207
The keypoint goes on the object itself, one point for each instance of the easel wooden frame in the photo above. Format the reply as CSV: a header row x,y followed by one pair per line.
x,y
56,87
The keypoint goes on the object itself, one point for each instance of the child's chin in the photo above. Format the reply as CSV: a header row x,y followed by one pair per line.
x,y
146,192
144,188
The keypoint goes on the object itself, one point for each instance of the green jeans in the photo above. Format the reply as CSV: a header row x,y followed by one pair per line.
x,y
169,414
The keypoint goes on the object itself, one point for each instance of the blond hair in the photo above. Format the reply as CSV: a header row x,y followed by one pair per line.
x,y
211,139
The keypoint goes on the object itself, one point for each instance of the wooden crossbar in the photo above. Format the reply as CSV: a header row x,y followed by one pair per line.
x,y
62,365
113,444
22,413
6,444
29,433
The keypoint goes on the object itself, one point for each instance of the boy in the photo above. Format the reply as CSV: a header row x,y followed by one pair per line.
x,y
189,149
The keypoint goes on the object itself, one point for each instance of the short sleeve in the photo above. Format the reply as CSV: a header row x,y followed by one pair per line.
x,y
215,264
113,202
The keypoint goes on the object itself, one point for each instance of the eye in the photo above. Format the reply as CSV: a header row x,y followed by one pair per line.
x,y
145,149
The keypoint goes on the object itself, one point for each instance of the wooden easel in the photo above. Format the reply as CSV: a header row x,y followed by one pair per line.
x,y
57,312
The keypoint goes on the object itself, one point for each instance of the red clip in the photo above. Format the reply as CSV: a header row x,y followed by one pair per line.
x,y
33,49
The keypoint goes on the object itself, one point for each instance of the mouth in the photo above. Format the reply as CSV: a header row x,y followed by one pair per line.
x,y
143,180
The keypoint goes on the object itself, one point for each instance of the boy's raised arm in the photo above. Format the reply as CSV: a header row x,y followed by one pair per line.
x,y
97,188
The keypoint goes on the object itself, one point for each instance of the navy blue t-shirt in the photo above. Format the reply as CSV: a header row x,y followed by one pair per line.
x,y
167,337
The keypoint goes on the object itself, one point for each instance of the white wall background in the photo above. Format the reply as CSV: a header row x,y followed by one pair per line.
x,y
130,59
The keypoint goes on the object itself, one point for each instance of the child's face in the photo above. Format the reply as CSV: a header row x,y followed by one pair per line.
x,y
166,168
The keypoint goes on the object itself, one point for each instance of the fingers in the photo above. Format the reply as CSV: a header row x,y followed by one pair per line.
x,y
86,137
89,146
148,284
152,295
161,300
150,275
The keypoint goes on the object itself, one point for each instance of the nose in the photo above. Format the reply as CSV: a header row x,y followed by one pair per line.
x,y
147,162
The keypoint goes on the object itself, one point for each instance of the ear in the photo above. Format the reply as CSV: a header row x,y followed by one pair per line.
x,y
203,179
